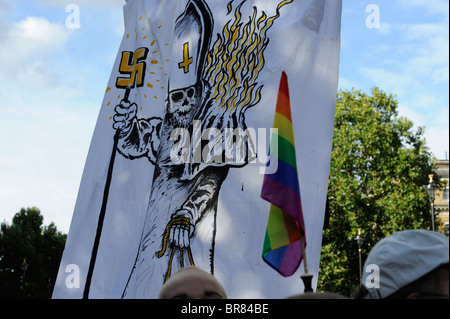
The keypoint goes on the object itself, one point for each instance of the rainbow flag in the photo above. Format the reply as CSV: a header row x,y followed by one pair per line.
x,y
285,228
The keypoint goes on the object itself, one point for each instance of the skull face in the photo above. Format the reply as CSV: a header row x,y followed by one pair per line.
x,y
182,104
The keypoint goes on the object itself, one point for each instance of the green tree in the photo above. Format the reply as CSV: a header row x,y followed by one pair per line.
x,y
26,242
379,166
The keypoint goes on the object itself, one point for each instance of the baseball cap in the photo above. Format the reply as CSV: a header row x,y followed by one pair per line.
x,y
402,258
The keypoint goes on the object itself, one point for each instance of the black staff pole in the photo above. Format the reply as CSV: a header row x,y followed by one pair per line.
x,y
133,65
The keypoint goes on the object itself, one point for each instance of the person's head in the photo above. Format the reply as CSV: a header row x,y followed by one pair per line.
x,y
192,283
433,285
411,264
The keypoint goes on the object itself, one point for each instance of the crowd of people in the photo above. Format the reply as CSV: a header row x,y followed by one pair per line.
x,y
412,264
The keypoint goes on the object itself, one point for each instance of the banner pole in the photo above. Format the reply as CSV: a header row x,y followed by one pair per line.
x,y
102,214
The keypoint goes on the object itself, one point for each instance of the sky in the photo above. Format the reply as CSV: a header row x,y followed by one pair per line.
x,y
54,74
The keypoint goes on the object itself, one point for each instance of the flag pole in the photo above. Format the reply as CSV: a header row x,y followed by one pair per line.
x,y
305,260
306,277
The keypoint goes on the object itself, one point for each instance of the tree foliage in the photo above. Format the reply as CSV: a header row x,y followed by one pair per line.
x,y
379,166
40,247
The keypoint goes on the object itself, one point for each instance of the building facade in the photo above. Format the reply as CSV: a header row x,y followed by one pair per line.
x,y
441,203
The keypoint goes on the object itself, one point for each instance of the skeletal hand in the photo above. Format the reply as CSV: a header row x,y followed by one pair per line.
x,y
125,113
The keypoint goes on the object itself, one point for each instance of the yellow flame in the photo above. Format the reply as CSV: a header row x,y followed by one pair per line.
x,y
237,58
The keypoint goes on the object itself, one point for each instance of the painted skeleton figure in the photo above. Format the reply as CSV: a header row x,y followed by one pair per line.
x,y
177,204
